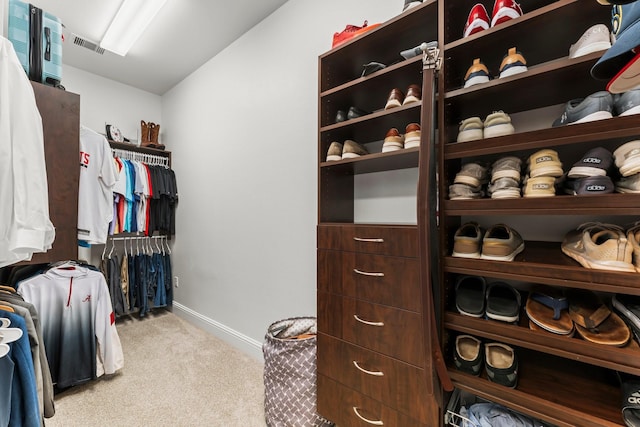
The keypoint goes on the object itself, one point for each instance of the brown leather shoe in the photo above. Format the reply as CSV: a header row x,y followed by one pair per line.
x,y
414,94
393,141
395,99
412,135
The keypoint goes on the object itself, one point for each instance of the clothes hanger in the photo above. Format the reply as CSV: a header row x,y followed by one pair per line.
x,y
125,247
7,308
157,246
166,240
7,288
4,322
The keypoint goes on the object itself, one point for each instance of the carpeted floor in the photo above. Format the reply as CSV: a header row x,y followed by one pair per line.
x,y
175,375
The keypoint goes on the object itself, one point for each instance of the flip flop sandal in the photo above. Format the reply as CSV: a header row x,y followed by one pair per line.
x,y
630,386
552,298
612,331
586,309
535,327
544,317
470,295
503,302
628,307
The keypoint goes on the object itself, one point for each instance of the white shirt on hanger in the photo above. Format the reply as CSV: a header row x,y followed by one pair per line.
x,y
25,227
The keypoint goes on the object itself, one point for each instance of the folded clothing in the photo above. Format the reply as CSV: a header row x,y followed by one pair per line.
x,y
494,415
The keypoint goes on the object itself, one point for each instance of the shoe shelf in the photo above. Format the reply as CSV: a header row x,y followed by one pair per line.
x,y
544,263
376,162
370,128
622,359
608,204
563,392
409,29
616,130
553,82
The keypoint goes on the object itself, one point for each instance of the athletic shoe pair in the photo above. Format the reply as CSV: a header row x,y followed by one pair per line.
x,y
497,123
512,63
394,140
349,150
478,19
598,106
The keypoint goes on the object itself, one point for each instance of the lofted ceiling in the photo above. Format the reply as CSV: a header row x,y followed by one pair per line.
x,y
182,37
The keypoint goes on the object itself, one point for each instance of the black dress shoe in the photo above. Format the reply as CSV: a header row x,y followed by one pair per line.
x,y
372,67
355,112
340,116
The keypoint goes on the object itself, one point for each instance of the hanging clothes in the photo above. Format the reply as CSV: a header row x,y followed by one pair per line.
x,y
78,322
98,176
25,227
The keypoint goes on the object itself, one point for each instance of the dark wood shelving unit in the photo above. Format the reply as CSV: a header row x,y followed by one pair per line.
x,y
564,381
377,162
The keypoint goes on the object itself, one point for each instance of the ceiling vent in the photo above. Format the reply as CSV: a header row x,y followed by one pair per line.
x,y
92,46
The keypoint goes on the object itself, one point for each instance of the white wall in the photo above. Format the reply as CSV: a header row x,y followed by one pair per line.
x,y
104,101
243,132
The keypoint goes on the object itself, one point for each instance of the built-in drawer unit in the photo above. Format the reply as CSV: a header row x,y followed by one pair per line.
x,y
394,383
395,240
390,331
348,408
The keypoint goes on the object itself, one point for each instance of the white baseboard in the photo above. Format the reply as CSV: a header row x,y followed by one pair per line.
x,y
242,342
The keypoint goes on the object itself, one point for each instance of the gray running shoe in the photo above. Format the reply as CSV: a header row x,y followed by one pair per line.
x,y
472,174
465,192
504,188
590,185
626,104
629,184
597,106
596,162
506,167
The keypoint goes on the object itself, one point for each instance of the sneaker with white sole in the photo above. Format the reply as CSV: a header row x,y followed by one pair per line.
x,y
470,129
597,106
472,174
393,141
627,103
504,188
477,20
505,10
477,73
353,150
465,192
595,39
467,241
627,158
599,246
589,186
334,153
497,123
501,243
596,162
629,184
506,167
541,186
513,63
412,135
544,163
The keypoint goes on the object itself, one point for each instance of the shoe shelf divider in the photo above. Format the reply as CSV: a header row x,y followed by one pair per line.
x,y
564,381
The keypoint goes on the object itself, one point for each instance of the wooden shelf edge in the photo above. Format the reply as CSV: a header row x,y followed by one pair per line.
x,y
372,116
622,359
525,403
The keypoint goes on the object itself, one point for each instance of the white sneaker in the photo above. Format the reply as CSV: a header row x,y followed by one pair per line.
x,y
470,129
498,123
595,39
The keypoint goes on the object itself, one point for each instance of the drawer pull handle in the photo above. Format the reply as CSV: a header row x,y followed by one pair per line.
x,y
365,273
368,323
361,239
372,422
374,373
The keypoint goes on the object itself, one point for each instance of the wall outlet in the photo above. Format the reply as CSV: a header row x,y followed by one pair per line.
x,y
176,281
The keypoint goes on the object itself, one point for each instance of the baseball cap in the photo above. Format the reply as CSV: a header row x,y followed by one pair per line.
x,y
625,24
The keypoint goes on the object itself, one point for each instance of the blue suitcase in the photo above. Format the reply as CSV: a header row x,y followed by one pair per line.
x,y
37,40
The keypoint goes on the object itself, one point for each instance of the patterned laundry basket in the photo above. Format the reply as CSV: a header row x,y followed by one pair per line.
x,y
290,374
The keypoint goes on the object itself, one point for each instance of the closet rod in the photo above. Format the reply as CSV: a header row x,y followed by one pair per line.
x,y
137,237
151,159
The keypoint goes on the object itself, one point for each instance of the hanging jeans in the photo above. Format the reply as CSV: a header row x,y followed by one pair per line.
x,y
160,299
